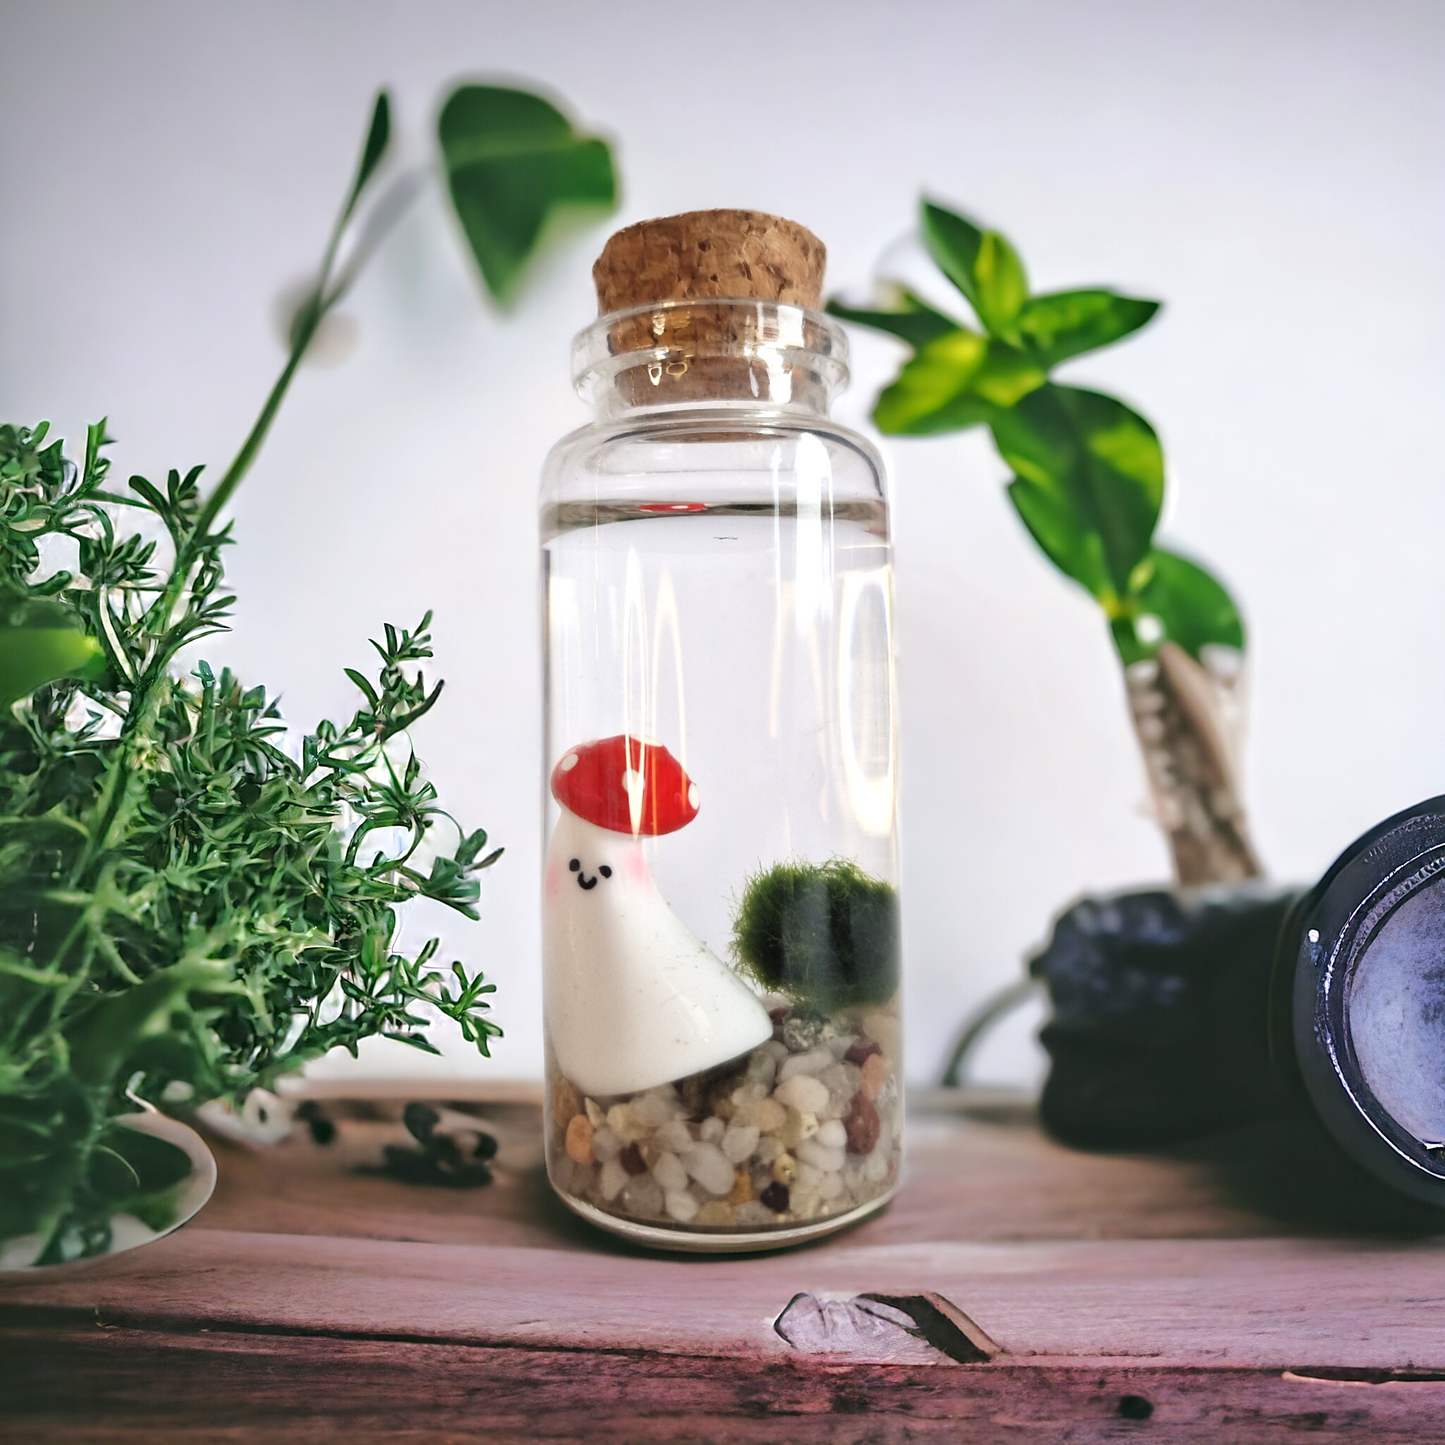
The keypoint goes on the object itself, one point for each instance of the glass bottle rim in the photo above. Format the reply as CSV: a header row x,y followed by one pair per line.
x,y
665,338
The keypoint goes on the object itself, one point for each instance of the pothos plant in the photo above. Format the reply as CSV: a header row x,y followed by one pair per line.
x,y
1088,484
189,907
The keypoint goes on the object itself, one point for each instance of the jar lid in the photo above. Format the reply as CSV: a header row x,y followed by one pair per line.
x,y
1368,984
733,255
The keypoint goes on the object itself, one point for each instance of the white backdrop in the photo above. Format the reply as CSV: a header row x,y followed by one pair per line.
x,y
1272,171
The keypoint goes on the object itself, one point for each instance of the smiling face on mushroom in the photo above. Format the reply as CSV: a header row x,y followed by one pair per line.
x,y
634,999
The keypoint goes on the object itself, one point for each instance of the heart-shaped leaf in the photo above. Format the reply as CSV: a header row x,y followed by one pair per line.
x,y
913,320
1102,465
512,159
1053,522
982,264
1065,323
956,380
1193,608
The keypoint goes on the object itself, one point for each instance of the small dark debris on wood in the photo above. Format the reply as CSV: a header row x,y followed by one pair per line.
x,y
310,1113
1135,1407
456,1159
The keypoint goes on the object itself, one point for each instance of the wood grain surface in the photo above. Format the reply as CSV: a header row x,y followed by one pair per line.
x,y
1252,1289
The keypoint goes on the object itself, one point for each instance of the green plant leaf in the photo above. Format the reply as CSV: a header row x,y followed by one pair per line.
x,y
913,320
1193,607
512,159
1065,323
1102,465
377,137
32,655
1053,522
982,264
957,380
102,1037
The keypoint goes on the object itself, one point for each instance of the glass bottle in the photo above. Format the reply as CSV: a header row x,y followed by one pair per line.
x,y
720,906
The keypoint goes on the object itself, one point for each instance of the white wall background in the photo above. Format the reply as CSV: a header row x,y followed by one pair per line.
x,y
1274,171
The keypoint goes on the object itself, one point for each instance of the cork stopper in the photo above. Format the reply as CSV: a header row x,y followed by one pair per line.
x,y
701,254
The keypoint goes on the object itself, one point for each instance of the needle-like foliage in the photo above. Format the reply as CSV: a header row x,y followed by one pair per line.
x,y
188,908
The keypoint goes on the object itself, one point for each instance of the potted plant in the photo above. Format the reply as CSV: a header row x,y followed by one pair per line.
x,y
188,908
1140,982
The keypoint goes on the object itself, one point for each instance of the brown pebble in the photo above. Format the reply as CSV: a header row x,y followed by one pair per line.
x,y
742,1189
566,1101
775,1197
631,1160
874,1072
715,1212
579,1139
862,1125
862,1048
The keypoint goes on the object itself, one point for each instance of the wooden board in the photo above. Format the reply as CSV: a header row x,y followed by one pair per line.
x,y
1250,1289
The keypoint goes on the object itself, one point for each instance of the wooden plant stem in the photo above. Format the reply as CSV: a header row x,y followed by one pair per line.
x,y
1193,776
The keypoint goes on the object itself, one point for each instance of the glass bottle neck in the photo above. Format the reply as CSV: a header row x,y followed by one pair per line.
x,y
711,353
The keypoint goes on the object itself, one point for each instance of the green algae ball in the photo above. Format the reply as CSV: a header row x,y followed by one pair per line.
x,y
825,934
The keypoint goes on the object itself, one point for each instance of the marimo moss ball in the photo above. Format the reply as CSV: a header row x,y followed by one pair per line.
x,y
824,934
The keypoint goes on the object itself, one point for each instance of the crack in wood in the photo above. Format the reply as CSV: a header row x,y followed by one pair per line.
x,y
876,1328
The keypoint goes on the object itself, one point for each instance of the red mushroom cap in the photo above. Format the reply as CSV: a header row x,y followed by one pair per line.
x,y
627,785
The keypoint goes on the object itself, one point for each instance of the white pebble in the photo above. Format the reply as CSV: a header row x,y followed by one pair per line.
x,y
884,1146
830,1186
709,1166
803,1093
810,1151
809,1063
655,1107
596,1116
712,1129
806,1125
831,1133
642,1196
669,1173
753,1213
777,1048
840,1089
809,1175
762,1067
674,1136
680,1205
803,1201
875,1167
606,1145
768,1149
614,1177
739,1142
839,1047
623,1123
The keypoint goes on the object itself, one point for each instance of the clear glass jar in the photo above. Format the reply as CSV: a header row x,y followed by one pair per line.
x,y
720,916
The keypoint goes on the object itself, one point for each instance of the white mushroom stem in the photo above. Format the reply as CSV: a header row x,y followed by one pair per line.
x,y
633,998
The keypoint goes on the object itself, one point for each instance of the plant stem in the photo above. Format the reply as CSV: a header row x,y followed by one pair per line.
x,y
1179,717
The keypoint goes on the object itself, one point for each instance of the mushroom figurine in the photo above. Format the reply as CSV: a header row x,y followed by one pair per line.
x,y
634,999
